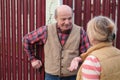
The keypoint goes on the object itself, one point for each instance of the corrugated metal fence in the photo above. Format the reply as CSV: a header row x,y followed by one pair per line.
x,y
18,17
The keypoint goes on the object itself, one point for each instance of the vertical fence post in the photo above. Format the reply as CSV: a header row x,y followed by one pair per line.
x,y
31,28
106,8
3,40
96,7
78,12
87,12
8,55
19,40
13,21
0,46
118,26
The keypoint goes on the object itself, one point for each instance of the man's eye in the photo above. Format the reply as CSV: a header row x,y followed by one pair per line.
x,y
70,18
63,19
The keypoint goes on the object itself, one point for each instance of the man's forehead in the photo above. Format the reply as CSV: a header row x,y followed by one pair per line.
x,y
63,8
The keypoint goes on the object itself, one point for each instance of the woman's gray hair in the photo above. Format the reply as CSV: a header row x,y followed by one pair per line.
x,y
101,28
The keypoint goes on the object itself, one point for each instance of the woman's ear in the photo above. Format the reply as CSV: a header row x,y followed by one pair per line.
x,y
92,40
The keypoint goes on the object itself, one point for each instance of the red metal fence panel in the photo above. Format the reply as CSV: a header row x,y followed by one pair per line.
x,y
86,11
13,24
78,12
8,40
68,2
3,71
25,26
113,9
96,7
118,26
32,28
106,8
18,17
19,37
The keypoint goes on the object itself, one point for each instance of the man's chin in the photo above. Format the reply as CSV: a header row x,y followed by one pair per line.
x,y
66,30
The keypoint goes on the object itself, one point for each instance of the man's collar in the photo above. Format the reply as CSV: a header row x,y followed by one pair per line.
x,y
65,32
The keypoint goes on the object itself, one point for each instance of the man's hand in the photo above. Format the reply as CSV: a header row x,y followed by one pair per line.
x,y
74,64
36,64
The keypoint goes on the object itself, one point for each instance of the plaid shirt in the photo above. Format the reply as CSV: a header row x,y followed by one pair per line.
x,y
39,36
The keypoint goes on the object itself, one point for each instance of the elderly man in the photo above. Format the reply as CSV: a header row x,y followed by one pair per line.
x,y
62,42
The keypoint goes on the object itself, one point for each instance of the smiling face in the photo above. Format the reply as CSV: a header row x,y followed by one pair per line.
x,y
64,17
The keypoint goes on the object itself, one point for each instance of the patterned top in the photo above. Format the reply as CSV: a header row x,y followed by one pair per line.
x,y
39,37
91,68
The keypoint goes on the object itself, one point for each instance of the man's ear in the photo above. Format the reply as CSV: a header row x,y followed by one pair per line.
x,y
55,17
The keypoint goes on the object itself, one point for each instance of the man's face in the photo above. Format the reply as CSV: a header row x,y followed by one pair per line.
x,y
64,20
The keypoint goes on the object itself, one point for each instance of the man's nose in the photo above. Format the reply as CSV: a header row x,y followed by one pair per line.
x,y
67,21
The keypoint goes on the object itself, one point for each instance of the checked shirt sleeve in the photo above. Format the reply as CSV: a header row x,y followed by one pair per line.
x,y
30,40
84,44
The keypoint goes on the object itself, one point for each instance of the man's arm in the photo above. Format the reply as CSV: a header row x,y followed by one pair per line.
x,y
29,42
84,42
